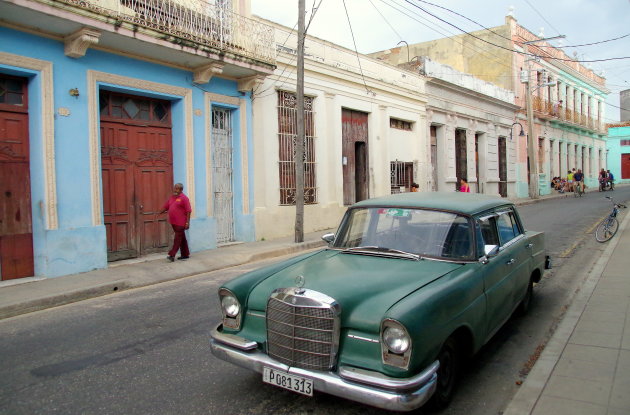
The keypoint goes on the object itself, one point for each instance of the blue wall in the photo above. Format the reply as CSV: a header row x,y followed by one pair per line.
x,y
615,150
77,245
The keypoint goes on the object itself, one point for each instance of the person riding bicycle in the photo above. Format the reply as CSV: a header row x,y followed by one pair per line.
x,y
578,179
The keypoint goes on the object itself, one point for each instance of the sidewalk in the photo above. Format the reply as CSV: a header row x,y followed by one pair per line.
x,y
585,367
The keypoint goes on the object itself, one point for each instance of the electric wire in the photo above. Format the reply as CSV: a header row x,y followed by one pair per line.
x,y
475,48
541,16
509,49
355,49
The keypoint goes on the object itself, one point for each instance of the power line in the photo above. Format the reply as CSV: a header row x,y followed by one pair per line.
x,y
509,49
386,21
542,17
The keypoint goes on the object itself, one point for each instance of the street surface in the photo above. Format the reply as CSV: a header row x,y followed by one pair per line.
x,y
146,351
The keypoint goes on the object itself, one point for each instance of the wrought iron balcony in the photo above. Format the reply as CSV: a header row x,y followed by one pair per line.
x,y
193,21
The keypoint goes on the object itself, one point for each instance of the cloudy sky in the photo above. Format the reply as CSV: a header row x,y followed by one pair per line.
x,y
382,24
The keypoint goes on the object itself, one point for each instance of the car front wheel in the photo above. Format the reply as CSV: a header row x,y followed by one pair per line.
x,y
448,374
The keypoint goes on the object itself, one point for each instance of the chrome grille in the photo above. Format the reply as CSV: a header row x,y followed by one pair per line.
x,y
302,329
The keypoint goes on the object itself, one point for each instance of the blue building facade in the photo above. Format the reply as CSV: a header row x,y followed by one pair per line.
x,y
618,151
112,111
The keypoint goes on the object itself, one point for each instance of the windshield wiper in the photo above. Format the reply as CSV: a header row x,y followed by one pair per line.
x,y
380,249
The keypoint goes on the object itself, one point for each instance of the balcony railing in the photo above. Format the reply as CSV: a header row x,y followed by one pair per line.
x,y
196,21
552,110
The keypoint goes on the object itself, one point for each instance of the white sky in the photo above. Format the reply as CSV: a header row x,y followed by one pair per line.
x,y
382,24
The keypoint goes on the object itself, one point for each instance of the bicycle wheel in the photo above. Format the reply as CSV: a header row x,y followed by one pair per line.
x,y
606,229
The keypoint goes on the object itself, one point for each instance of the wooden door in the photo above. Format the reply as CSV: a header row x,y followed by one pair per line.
x,y
16,232
137,171
434,159
461,157
355,156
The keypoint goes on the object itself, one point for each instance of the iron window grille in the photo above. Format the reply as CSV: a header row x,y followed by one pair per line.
x,y
287,136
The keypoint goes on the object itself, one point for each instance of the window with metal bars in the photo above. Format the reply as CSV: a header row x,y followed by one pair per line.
x,y
287,134
401,176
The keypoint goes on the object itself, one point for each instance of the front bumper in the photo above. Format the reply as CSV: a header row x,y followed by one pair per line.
x,y
364,386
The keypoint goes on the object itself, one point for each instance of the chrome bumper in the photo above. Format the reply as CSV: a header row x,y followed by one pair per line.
x,y
364,386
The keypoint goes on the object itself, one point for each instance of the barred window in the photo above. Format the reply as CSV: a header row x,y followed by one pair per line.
x,y
287,134
401,176
400,124
625,142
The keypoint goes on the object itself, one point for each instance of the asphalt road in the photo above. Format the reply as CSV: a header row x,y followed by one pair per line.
x,y
146,351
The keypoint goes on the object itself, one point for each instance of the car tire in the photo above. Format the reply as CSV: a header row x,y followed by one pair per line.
x,y
448,374
526,302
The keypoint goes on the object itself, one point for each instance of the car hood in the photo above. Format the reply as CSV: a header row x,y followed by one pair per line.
x,y
364,286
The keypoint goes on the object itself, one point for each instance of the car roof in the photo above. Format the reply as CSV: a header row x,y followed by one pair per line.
x,y
466,203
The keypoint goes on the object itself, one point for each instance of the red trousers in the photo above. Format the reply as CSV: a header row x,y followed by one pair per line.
x,y
179,242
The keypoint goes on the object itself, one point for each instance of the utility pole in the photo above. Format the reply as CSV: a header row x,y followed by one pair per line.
x,y
531,146
299,140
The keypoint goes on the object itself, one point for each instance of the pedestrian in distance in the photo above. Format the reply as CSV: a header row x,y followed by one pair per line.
x,y
603,178
178,208
414,187
610,178
463,186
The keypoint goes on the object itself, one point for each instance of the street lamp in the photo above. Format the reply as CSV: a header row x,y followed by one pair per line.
x,y
521,134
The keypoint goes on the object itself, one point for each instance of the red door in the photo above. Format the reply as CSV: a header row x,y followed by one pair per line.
x,y
137,160
16,233
625,166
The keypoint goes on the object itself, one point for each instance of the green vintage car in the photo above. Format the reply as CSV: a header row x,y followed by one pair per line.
x,y
408,286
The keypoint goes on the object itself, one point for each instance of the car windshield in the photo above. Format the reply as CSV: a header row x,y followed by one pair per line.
x,y
423,232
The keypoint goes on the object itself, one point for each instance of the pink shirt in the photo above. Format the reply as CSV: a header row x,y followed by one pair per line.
x,y
464,188
178,207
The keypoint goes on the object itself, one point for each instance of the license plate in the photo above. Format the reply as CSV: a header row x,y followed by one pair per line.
x,y
287,381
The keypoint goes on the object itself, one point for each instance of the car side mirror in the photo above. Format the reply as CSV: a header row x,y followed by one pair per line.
x,y
328,238
491,250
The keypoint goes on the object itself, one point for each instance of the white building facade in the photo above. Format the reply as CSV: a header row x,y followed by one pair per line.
x,y
365,134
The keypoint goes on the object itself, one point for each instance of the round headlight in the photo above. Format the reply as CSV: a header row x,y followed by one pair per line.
x,y
396,339
230,306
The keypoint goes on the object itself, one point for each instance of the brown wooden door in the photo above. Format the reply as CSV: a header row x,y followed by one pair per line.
x,y
137,168
137,180
461,157
16,232
355,156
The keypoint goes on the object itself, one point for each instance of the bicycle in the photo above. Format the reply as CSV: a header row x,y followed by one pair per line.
x,y
578,189
609,226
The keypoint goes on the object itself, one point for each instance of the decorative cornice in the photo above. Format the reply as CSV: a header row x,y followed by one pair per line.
x,y
76,44
203,74
249,83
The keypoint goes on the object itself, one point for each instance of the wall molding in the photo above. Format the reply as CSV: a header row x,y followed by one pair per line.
x,y
94,78
45,70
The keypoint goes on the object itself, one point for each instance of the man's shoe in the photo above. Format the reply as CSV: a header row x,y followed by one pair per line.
x,y
170,258
183,257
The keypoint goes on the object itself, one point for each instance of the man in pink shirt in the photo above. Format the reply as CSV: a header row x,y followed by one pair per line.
x,y
178,208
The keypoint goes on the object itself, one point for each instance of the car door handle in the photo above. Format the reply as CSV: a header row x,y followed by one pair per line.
x,y
530,245
510,262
